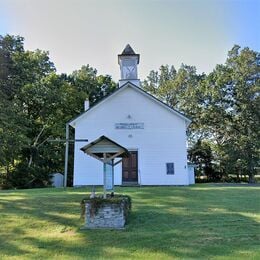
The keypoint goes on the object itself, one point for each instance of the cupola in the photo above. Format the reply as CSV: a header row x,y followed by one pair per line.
x,y
128,61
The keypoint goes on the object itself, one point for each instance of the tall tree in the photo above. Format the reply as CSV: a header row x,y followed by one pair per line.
x,y
223,105
94,87
180,90
201,154
35,104
231,110
9,45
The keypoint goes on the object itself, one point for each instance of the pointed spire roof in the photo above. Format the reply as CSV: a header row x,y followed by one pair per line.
x,y
128,51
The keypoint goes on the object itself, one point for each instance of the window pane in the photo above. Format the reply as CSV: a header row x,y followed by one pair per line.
x,y
170,168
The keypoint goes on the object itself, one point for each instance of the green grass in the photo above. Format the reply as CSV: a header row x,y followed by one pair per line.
x,y
201,222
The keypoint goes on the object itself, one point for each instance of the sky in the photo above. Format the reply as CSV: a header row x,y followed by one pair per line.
x,y
94,32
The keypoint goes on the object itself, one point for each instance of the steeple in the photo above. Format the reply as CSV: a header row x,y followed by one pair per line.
x,y
129,51
128,61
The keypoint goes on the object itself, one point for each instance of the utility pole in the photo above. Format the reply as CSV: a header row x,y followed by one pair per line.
x,y
67,141
66,156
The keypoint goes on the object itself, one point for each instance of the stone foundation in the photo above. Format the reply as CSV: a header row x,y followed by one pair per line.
x,y
106,213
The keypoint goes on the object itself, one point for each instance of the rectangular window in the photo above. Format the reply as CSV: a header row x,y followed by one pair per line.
x,y
170,168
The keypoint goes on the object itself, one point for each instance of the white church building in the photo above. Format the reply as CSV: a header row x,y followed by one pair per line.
x,y
152,132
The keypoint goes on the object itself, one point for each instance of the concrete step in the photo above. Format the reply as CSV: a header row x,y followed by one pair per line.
x,y
130,184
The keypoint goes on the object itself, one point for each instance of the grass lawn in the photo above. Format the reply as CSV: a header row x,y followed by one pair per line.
x,y
201,221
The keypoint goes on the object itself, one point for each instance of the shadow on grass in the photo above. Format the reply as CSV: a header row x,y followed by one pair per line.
x,y
164,222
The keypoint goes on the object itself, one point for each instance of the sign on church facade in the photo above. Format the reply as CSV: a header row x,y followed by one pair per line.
x,y
129,126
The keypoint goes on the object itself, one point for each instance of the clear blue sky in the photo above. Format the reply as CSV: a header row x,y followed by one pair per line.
x,y
78,32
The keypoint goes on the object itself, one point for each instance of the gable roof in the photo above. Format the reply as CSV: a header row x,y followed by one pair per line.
x,y
105,145
138,89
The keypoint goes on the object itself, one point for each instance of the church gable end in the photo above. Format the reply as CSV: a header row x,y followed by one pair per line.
x,y
125,103
153,134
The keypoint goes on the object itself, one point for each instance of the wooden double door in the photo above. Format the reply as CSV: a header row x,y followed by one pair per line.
x,y
130,168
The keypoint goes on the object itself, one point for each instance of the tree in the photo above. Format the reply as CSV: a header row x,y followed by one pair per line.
x,y
35,105
180,90
157,80
223,105
90,85
12,139
9,45
201,155
232,110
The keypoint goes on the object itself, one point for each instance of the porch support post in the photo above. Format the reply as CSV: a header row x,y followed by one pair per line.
x,y
66,156
113,175
104,172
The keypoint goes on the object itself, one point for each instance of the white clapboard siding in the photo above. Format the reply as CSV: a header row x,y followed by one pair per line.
x,y
162,139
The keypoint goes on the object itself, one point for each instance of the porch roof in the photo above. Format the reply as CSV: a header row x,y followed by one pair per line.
x,y
105,149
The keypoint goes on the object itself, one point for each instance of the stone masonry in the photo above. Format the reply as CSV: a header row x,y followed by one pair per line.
x,y
108,215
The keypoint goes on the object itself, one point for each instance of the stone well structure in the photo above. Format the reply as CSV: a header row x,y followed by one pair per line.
x,y
111,212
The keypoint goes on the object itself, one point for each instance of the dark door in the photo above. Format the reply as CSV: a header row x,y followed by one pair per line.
x,y
130,168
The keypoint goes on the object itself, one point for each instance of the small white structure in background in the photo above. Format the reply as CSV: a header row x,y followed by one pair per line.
x,y
86,105
57,180
152,132
191,168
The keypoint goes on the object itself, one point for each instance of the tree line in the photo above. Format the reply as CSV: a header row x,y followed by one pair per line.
x,y
36,102
224,106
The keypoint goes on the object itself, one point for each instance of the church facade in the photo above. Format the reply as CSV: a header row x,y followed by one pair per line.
x,y
152,132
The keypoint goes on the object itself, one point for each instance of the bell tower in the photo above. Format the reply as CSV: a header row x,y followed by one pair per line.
x,y
128,61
